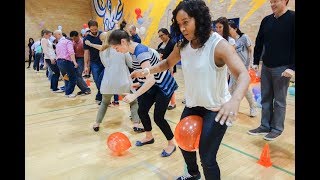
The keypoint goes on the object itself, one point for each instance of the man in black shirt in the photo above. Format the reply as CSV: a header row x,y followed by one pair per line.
x,y
277,36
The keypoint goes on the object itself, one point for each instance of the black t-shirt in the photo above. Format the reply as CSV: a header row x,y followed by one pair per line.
x,y
94,53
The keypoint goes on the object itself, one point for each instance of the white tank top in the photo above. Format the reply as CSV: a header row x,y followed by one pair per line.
x,y
205,84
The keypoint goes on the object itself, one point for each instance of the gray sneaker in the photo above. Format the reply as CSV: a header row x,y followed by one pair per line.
x,y
271,136
258,131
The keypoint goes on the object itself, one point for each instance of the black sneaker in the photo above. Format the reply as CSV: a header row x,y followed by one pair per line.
x,y
258,131
271,136
189,177
83,93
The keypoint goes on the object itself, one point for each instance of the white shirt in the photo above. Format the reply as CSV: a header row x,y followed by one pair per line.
x,y
205,84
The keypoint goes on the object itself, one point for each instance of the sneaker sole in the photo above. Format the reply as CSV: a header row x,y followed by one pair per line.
x,y
269,139
257,134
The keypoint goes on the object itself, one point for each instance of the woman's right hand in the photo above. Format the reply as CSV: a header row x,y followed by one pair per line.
x,y
137,74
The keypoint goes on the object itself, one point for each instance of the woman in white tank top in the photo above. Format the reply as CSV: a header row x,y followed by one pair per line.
x,y
205,56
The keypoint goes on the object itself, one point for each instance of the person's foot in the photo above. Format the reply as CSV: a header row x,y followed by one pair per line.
x,y
258,131
190,177
271,136
28,67
253,112
145,141
96,127
115,103
184,101
168,150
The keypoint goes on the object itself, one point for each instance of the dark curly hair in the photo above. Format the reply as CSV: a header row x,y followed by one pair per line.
x,y
200,12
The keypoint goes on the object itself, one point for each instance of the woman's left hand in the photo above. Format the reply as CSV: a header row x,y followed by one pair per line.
x,y
227,112
129,97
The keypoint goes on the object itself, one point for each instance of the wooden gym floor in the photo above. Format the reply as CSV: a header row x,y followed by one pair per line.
x,y
61,144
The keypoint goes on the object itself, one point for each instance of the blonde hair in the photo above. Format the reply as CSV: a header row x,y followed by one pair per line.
x,y
104,38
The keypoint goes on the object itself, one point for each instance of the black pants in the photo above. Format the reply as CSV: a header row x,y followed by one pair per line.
x,y
154,96
210,140
30,58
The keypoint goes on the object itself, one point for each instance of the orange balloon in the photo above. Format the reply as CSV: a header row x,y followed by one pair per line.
x,y
188,131
253,76
118,142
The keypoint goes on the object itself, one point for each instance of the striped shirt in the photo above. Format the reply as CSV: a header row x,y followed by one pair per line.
x,y
164,80
64,49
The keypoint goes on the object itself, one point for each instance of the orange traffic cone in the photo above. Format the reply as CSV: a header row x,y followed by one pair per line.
x,y
120,98
88,82
265,156
66,77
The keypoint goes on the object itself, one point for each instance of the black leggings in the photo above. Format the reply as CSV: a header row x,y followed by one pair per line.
x,y
30,58
145,101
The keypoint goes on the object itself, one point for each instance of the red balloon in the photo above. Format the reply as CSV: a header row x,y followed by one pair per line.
x,y
188,131
137,11
138,16
85,26
118,142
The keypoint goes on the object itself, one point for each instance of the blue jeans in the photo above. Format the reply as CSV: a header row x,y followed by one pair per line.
x,y
274,88
80,82
210,140
97,72
154,96
36,63
67,67
55,75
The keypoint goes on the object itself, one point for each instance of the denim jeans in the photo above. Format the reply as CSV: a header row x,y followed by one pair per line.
x,y
97,72
80,82
67,67
55,75
210,140
36,63
154,96
274,88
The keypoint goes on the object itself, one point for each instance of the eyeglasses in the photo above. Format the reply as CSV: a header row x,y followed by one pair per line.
x,y
161,35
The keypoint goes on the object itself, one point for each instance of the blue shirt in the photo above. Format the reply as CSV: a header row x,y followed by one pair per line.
x,y
164,80
94,53
136,38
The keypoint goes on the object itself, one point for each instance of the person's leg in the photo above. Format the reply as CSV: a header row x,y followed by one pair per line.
x,y
106,98
160,108
145,101
135,117
71,72
97,72
80,81
266,102
190,157
280,89
29,60
55,76
210,140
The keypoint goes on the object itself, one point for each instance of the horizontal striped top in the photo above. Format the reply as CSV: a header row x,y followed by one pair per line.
x,y
164,80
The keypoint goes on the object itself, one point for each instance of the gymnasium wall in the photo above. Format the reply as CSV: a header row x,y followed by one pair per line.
x,y
49,14
155,14
158,13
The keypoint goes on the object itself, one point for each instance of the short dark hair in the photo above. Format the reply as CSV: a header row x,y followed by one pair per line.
x,y
123,24
164,31
74,34
64,34
116,36
45,31
92,23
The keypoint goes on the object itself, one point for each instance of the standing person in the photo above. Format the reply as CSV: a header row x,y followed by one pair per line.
x,y
66,62
79,54
115,80
245,51
31,52
165,48
154,89
205,56
50,59
134,35
91,57
277,36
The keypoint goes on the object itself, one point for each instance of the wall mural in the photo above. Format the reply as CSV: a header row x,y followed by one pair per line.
x,y
111,15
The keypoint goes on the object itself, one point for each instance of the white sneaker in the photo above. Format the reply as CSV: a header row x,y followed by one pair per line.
x,y
253,112
58,91
71,96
